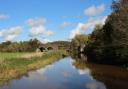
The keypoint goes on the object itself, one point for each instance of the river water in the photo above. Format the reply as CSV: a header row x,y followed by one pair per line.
x,y
69,73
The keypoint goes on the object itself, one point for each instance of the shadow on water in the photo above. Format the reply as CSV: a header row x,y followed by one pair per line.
x,y
113,77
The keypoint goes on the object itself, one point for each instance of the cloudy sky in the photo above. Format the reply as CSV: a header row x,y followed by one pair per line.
x,y
50,20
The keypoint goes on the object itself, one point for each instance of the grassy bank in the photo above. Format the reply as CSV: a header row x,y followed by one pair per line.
x,y
14,65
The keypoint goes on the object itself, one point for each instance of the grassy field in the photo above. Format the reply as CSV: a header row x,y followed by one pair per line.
x,y
14,65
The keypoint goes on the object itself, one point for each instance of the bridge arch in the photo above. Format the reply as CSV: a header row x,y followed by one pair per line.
x,y
42,49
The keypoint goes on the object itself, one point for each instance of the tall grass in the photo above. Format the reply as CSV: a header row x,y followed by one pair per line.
x,y
13,65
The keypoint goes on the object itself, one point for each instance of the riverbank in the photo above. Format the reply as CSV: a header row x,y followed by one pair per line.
x,y
14,65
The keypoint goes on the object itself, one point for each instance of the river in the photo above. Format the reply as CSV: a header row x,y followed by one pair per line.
x,y
69,73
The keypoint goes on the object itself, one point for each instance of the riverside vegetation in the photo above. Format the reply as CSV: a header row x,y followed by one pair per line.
x,y
14,65
108,43
17,58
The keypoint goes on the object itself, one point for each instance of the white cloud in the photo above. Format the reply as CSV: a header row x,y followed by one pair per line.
x,y
11,33
65,24
76,31
85,26
92,22
3,17
40,30
94,10
36,21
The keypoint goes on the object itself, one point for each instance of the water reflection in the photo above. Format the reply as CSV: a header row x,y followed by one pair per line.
x,y
80,57
112,77
95,85
72,73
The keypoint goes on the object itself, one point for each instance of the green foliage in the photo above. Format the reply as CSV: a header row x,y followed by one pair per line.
x,y
25,46
109,43
78,42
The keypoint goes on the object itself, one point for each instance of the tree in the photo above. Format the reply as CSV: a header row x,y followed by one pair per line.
x,y
25,46
95,44
80,41
109,44
119,20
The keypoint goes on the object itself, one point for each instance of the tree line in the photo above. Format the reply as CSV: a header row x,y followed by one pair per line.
x,y
30,45
22,46
108,43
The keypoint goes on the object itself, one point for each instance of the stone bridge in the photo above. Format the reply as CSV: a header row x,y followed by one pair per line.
x,y
53,46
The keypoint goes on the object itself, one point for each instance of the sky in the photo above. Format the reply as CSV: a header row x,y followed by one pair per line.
x,y
50,20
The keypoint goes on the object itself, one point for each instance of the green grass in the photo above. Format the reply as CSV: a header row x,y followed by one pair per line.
x,y
11,55
13,65
11,60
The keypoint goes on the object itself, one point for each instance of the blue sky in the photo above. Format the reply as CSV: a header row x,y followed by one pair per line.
x,y
50,20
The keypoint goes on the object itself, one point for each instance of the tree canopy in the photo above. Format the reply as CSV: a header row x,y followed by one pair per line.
x,y
109,43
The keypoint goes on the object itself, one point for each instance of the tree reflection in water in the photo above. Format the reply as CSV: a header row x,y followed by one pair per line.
x,y
112,77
